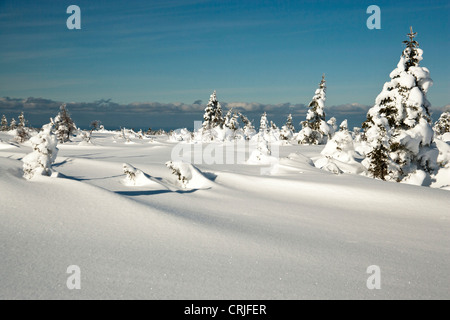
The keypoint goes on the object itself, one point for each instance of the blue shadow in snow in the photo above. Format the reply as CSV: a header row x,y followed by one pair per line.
x,y
151,192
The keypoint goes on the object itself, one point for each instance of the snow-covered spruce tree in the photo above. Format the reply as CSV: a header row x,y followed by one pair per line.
x,y
273,125
398,127
263,124
39,162
289,124
4,125
231,120
22,134
22,121
288,130
442,125
213,114
249,129
13,124
314,129
263,146
64,125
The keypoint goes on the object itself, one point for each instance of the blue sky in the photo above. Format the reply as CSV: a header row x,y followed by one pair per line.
x,y
249,51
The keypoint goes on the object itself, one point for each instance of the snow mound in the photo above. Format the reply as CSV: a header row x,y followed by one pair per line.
x,y
444,152
417,178
442,177
328,164
259,158
135,177
339,154
188,176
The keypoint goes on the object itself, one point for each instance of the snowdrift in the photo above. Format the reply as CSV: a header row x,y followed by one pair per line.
x,y
188,176
296,234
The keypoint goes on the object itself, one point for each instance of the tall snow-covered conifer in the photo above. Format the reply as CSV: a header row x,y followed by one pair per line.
x,y
4,125
22,121
13,124
64,125
314,129
212,117
22,134
263,124
398,127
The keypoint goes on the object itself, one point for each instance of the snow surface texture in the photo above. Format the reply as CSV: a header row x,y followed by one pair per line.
x,y
300,232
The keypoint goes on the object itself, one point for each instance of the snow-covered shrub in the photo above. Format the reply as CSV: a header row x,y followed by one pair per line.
x,y
314,129
188,176
340,147
339,153
86,137
125,135
134,176
181,135
262,154
39,162
442,126
64,125
180,170
398,127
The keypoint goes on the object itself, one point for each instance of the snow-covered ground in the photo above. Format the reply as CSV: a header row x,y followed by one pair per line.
x,y
232,233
